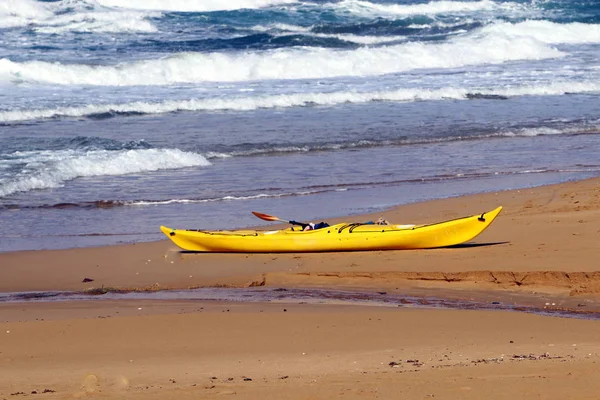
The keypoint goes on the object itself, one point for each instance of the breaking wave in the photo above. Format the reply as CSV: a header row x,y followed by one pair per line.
x,y
547,32
279,30
75,16
50,169
367,8
193,5
22,12
297,100
499,43
305,191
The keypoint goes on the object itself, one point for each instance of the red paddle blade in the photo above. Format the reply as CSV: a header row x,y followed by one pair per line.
x,y
266,217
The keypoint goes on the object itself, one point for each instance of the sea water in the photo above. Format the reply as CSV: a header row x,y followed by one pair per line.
x,y
120,116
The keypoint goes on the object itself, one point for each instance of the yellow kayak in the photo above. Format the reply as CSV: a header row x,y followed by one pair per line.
x,y
339,237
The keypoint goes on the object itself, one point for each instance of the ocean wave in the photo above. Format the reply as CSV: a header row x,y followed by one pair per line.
x,y
546,31
285,29
193,5
97,22
537,131
208,200
297,100
50,169
235,104
418,28
259,40
125,203
369,9
72,16
15,13
289,63
302,191
268,149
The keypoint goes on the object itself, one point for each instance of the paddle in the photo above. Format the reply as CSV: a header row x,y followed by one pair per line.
x,y
268,217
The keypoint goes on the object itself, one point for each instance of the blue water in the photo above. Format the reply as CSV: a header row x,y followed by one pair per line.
x,y
120,116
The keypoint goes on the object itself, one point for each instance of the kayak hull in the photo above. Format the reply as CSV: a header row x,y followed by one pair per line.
x,y
339,237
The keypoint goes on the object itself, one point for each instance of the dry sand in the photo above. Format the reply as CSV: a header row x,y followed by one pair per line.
x,y
544,245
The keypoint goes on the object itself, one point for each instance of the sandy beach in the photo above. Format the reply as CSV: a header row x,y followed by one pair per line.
x,y
119,117
541,251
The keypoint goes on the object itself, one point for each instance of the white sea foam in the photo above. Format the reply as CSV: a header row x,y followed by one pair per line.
x,y
191,201
432,8
50,169
294,63
74,15
538,131
281,27
105,21
550,89
285,29
192,5
359,39
546,31
297,100
15,13
237,104
441,24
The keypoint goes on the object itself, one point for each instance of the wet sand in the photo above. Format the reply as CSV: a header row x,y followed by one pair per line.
x,y
544,245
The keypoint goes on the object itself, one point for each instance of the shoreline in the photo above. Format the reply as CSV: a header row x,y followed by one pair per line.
x,y
157,236
545,237
541,251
